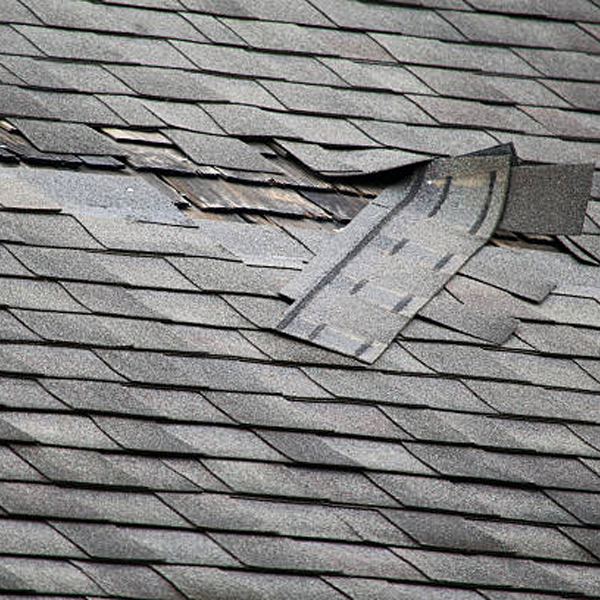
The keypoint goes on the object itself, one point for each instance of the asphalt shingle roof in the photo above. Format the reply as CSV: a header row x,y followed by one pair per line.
x,y
174,173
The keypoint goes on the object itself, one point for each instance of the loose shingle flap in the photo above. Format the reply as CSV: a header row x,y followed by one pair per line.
x,y
548,199
370,280
396,255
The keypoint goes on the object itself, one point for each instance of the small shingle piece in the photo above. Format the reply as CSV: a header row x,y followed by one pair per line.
x,y
49,136
375,276
221,151
548,200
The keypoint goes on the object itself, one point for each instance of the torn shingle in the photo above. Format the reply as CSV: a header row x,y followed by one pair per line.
x,y
349,299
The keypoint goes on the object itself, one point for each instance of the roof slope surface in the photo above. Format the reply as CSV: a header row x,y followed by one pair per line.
x,y
159,438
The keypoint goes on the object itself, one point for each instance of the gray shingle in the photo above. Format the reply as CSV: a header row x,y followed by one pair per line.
x,y
146,436
397,19
268,10
483,570
74,15
199,582
582,505
527,91
466,113
565,188
183,116
48,576
397,389
15,12
131,109
48,136
30,537
579,94
256,245
364,589
78,108
522,32
460,84
228,276
488,431
282,481
221,151
55,362
14,468
64,76
62,230
486,325
14,43
574,11
221,512
60,430
58,263
317,557
165,83
473,498
143,238
94,194
224,442
194,471
76,467
347,103
119,507
129,580
104,541
430,140
273,410
84,45
12,329
297,39
445,54
563,65
212,29
473,463
27,394
376,76
191,548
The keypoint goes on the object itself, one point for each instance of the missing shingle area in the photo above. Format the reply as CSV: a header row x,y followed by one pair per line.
x,y
372,279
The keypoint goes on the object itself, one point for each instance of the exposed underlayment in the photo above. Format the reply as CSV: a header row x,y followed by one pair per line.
x,y
169,166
